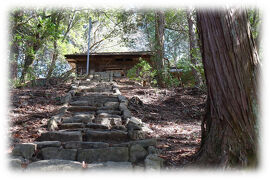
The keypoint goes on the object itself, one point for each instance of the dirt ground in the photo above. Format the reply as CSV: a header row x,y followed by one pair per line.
x,y
174,115
30,108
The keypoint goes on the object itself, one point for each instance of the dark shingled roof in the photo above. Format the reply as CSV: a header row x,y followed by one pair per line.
x,y
138,53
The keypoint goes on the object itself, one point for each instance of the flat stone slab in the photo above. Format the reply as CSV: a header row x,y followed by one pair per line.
x,y
137,153
79,118
84,145
119,127
54,165
103,121
71,125
27,150
59,153
95,98
134,123
114,112
15,162
117,154
61,136
82,108
112,105
145,142
117,165
108,108
79,103
152,161
122,98
136,134
91,89
108,115
104,136
126,114
96,126
44,144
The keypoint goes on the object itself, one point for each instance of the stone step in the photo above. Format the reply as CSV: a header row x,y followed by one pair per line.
x,y
96,126
79,118
84,145
108,121
145,142
61,136
117,154
119,127
82,108
79,103
59,153
56,165
112,105
113,112
106,136
95,94
71,125
94,99
90,89
44,144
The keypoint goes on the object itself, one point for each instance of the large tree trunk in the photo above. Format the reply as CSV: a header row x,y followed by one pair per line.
x,y
159,47
192,49
229,56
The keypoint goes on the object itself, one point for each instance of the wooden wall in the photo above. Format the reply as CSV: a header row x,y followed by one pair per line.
x,y
108,63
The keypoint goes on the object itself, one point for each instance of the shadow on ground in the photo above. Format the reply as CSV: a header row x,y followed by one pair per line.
x,y
174,115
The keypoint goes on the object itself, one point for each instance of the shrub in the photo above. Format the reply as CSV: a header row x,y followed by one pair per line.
x,y
142,72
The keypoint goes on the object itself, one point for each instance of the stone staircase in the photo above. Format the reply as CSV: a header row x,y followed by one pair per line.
x,y
93,130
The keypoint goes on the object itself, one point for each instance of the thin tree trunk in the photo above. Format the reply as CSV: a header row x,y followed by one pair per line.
x,y
229,56
14,52
159,47
57,17
54,58
192,49
29,59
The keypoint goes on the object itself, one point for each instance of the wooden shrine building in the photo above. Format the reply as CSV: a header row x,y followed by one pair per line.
x,y
107,61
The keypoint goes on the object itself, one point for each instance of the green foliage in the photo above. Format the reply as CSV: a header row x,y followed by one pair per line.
x,y
254,18
14,83
169,80
187,77
31,28
30,75
142,72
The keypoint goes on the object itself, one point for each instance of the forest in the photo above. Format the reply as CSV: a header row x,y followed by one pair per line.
x,y
199,93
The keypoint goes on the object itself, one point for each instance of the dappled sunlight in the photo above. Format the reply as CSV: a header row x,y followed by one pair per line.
x,y
173,115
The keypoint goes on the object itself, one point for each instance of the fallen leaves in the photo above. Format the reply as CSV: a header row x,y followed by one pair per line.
x,y
174,115
31,108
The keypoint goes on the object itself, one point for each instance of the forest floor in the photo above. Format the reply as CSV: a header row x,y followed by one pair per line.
x,y
174,115
30,108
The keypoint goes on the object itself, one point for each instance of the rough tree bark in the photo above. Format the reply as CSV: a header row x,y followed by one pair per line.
x,y
159,46
229,54
192,47
29,59
56,18
14,49
13,56
54,58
